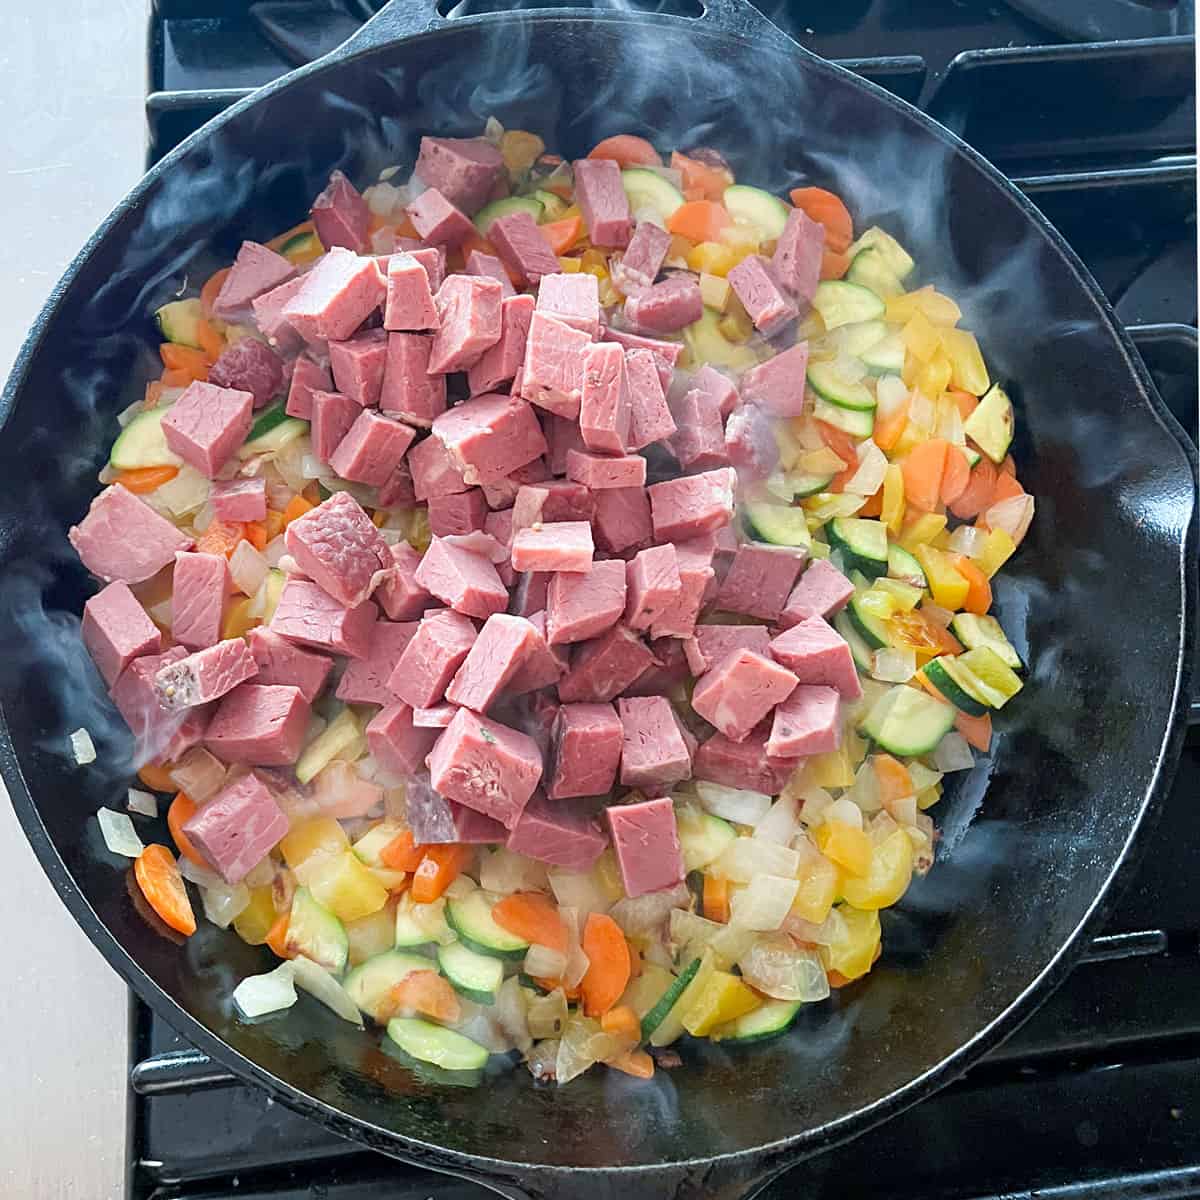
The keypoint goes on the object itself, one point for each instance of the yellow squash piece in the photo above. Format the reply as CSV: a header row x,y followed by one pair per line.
x,y
999,682
968,370
892,509
570,266
930,796
371,935
924,529
419,535
947,587
713,258
997,550
333,741
238,621
819,883
254,922
345,886
848,847
724,998
930,303
715,291
854,950
920,337
888,877
320,835
934,377
831,770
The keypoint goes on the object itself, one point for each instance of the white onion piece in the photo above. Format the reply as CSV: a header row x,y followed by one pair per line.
x,y
782,970
765,904
777,484
576,1048
493,131
83,748
478,1022
203,877
1012,515
199,773
119,834
204,517
744,859
846,811
383,198
311,467
894,664
733,804
780,822
547,1015
511,1013
872,467
890,394
317,982
144,803
223,904
941,617
275,550
921,411
262,874
543,962
504,872
903,810
693,934
814,803
863,794
258,995
968,540
580,890
953,754
248,568
644,916
577,962
127,414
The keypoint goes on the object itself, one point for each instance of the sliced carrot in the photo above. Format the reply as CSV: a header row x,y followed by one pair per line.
x,y
923,470
840,442
716,898
286,236
184,358
976,730
699,220
277,935
629,150
1006,488
608,964
424,992
827,209
894,780
979,589
297,506
440,867
158,876
873,506
141,480
837,979
402,853
977,495
1008,466
562,235
175,378
211,342
156,776
967,403
182,809
834,263
622,1022
256,534
701,181
955,476
888,429
532,917
212,286
274,524
637,1063
221,537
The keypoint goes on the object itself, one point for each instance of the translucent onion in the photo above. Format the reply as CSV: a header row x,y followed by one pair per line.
x,y
504,872
341,792
248,568
547,1015
258,995
129,412
541,1059
493,131
317,982
225,902
949,423
846,811
941,617
872,467
921,411
83,748
894,664
691,929
814,803
577,962
953,754
430,919
890,394
144,803
274,551
780,822
119,834
968,540
580,890
289,460
383,198
733,804
511,1013
478,1022
1012,515
193,872
203,518
764,905
822,461
644,916
543,962
311,467
744,859
262,874
198,773
779,968
576,1048
903,809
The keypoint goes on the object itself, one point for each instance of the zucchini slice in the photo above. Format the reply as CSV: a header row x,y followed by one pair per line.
x,y
858,423
501,208
870,271
903,566
476,976
863,543
647,189
893,255
803,484
947,675
870,628
430,1043
863,655
316,933
702,837
772,1019
752,206
280,430
777,524
886,357
830,384
652,1022
142,443
993,678
842,303
975,631
470,916
179,322
907,722
370,982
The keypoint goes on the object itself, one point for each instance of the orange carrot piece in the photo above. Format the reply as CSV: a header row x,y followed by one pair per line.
x,y
1008,466
894,780
532,917
184,358
979,589
288,234
840,442
562,235
156,776
924,682
700,180
699,220
221,537
888,429
182,809
977,731
608,964
1006,488
628,150
955,476
424,992
274,524
827,209
923,470
873,507
277,935
297,506
834,263
977,495
622,1022
211,342
175,378
213,285
637,1063
141,480
402,853
716,899
158,876
967,403
440,867
256,534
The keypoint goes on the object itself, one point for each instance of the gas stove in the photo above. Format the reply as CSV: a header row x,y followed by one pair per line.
x,y
1089,106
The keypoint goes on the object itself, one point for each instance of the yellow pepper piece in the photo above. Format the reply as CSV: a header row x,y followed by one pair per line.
x,y
920,337
888,877
968,370
948,588
850,848
341,735
997,550
724,998
854,950
930,796
992,673
819,883
345,886
735,325
520,150
715,291
713,258
878,603
935,307
921,531
941,540
238,621
892,508
570,266
320,835
608,875
254,922
831,770
934,376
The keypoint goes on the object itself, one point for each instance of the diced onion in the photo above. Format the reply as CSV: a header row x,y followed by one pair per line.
x,y
493,131
733,804
1012,515
764,904
224,903
846,811
543,962
903,809
890,394
872,467
578,1048
540,1059
262,874
511,1013
317,982
383,198
183,495
894,664
744,859
258,995
780,822
119,834
144,803
822,461
547,1015
83,748
577,961
504,872
921,411
248,568
275,550
311,467
580,890
863,793
127,414
950,424
782,970
193,872
953,754
644,916
814,804
968,540
199,773
941,617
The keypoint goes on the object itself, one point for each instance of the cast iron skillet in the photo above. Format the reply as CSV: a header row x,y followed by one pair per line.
x,y
1097,600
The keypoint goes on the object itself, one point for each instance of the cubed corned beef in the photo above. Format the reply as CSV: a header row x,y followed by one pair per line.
x,y
464,170
711,643
341,215
338,294
409,304
798,254
666,307
750,442
309,375
557,833
410,390
651,420
204,675
586,750
572,299
652,585
583,605
365,680
778,384
262,725
767,304
643,258
281,662
654,753
646,841
807,722
117,629
605,408
556,546
497,654
396,743
479,263
817,653
434,470
338,547
237,828
760,581
469,309
400,596
159,735
523,247
600,194
454,515
542,665
308,615
694,562
740,691
622,519
256,270
551,501
332,416
207,424
822,590
200,586
437,220
239,499
600,471
122,537
268,315
358,366
692,505
466,582
603,668
372,448
552,373
490,436
743,764
249,365
699,442
501,363
720,387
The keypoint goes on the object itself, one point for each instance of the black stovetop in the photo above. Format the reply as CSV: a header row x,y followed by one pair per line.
x,y
1089,105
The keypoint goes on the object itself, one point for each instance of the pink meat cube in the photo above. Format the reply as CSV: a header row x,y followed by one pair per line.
x,y
605,410
479,263
431,658
204,675
502,362
523,247
750,443
586,750
600,194
358,366
543,664
239,500
432,258
469,314
437,716
552,373
485,766
437,220
765,301
600,471
338,547
622,519
464,170
551,501
711,643
409,304
653,753
667,351
817,653
160,735
338,295
262,725
466,582
398,492
700,440
200,586
760,580
365,679
743,764
666,307
332,417
400,596
572,299
778,384
530,592
693,560
692,505
503,492
268,315
806,723
310,616
652,585
309,375
257,269
646,841
822,590
740,690
558,546
434,470
116,630
562,434
458,514
249,365
796,262
282,663
122,537
652,420
717,386
410,391
490,436
372,448
396,743
341,215
498,653
499,524
639,266
558,834
604,668
581,606
207,424
238,827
